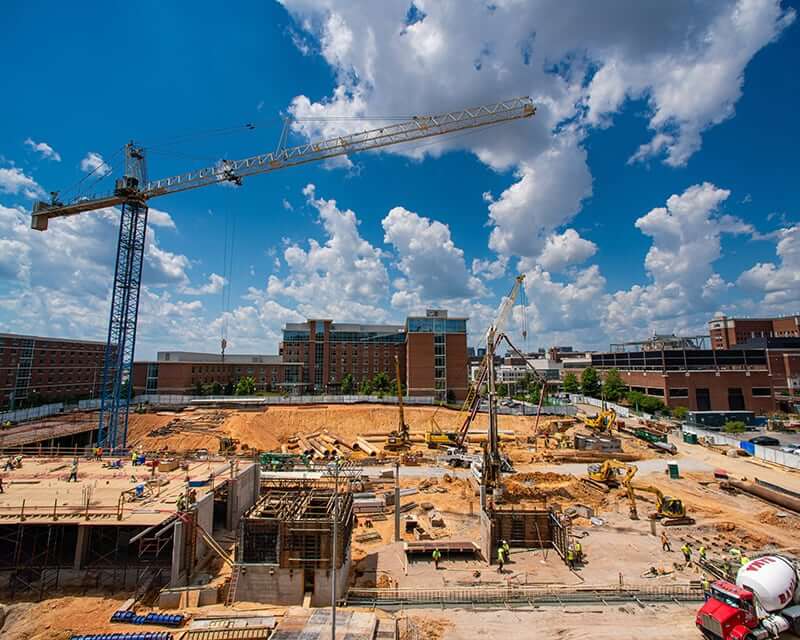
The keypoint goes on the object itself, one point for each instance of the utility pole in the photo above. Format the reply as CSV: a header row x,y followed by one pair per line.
x,y
335,539
397,537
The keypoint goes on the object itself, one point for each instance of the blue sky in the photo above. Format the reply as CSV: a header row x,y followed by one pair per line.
x,y
655,186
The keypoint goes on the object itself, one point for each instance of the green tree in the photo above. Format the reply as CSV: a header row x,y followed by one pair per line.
x,y
216,389
501,389
734,426
348,385
590,382
246,386
365,389
571,383
642,402
198,389
614,387
228,391
381,382
679,413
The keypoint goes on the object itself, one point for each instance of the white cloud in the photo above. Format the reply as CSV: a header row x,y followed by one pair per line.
x,y
345,273
45,150
778,283
432,264
686,242
564,249
214,285
93,163
14,182
160,219
490,269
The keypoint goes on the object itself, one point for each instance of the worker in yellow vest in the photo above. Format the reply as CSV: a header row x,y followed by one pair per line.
x,y
436,555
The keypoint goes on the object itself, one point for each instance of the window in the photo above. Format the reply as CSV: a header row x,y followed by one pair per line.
x,y
761,392
703,398
735,399
678,393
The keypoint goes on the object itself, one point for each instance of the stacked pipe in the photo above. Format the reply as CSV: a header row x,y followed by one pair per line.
x,y
135,635
164,619
775,497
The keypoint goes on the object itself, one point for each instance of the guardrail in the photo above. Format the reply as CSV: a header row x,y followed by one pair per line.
x,y
394,598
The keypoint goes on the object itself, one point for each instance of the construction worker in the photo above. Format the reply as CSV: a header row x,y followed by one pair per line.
x,y
134,457
571,556
665,546
506,550
578,552
687,552
73,471
192,497
702,552
9,465
180,503
2,490
501,559
706,587
744,560
436,555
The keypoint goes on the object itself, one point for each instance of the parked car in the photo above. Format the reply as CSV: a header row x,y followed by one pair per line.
x,y
790,448
766,441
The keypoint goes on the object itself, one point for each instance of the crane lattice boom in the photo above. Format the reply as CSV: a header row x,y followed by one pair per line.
x,y
417,128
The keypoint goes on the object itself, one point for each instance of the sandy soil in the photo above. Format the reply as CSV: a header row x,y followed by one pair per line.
x,y
49,620
629,622
266,429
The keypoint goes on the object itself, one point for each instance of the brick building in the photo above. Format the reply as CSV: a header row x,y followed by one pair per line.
x,y
726,332
436,356
181,372
316,355
35,369
752,376
330,350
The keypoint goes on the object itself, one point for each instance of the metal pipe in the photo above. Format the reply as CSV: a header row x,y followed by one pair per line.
x,y
775,497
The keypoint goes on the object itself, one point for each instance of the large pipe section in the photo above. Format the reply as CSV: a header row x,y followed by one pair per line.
x,y
775,497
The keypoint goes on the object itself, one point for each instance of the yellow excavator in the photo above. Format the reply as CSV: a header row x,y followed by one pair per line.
x,y
672,510
607,474
400,438
603,421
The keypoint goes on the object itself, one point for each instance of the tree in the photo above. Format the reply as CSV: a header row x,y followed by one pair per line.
x,y
590,382
348,385
381,382
571,383
679,413
229,388
198,389
365,389
734,426
641,402
501,389
216,389
614,387
246,386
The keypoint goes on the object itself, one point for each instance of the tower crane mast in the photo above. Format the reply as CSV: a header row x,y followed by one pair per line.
x,y
133,191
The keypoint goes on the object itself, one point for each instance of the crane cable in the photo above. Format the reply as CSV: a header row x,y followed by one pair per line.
x,y
227,274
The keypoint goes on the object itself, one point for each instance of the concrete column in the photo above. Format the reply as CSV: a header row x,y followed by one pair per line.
x,y
176,573
81,545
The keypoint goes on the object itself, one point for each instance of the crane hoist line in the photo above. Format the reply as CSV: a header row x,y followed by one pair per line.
x,y
133,191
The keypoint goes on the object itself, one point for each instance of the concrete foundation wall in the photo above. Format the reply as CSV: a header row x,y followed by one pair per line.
x,y
242,494
272,585
265,583
205,518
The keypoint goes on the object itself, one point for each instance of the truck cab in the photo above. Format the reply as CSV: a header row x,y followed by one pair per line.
x,y
728,614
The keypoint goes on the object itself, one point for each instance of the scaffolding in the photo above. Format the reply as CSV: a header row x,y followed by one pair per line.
x,y
293,528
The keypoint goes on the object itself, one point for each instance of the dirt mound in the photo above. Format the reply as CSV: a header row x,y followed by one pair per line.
x,y
784,521
549,487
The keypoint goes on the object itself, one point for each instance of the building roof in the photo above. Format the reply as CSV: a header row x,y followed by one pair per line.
x,y
50,339
216,358
349,326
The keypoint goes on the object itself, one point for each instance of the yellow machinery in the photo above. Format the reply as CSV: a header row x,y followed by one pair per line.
x,y
435,437
603,421
607,474
671,509
400,438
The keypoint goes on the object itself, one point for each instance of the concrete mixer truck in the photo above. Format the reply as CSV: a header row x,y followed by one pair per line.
x,y
763,603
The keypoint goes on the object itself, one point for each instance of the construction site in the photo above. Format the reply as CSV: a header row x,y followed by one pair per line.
x,y
232,518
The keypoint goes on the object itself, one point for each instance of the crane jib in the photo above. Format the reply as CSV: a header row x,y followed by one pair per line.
x,y
417,128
